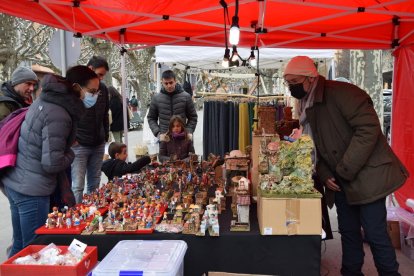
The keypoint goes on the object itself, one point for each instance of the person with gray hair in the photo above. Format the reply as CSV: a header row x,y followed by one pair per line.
x,y
17,93
353,160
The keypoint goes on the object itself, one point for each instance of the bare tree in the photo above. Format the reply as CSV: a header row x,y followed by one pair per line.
x,y
26,41
22,41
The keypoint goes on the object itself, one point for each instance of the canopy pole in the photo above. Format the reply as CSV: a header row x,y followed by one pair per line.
x,y
123,86
124,99
158,77
63,65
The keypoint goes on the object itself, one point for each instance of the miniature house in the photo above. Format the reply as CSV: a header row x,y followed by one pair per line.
x,y
243,201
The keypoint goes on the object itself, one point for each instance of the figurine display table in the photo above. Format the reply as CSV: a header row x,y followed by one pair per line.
x,y
236,252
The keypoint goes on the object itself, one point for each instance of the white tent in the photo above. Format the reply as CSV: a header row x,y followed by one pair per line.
x,y
211,57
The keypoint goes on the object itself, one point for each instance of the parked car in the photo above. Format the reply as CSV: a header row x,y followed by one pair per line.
x,y
387,98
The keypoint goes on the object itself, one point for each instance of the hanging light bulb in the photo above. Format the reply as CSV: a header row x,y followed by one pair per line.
x,y
234,31
226,58
252,59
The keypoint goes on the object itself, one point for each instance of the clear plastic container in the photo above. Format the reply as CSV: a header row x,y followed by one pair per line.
x,y
406,232
137,257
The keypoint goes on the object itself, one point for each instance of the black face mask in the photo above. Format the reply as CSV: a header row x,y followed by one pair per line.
x,y
297,91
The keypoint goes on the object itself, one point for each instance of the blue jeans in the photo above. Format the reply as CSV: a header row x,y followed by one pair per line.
x,y
373,219
88,161
27,213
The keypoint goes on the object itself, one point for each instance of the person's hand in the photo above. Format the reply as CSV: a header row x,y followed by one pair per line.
x,y
331,185
296,133
164,137
190,136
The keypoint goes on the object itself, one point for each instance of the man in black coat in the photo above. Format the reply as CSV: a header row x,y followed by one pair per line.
x,y
172,100
92,133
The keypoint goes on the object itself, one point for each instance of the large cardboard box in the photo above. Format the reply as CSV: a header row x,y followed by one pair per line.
x,y
393,228
289,216
82,268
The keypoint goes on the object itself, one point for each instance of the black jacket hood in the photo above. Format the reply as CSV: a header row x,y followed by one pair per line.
x,y
55,89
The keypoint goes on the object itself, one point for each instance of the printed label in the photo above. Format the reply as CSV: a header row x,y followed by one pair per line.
x,y
267,230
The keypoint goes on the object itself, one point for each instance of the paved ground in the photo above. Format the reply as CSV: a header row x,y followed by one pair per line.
x,y
331,250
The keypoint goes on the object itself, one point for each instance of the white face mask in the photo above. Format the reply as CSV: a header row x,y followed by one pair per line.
x,y
90,99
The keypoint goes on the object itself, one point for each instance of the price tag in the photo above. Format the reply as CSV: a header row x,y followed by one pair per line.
x,y
267,230
77,247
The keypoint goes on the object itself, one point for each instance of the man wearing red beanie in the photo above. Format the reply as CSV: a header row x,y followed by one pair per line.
x,y
352,159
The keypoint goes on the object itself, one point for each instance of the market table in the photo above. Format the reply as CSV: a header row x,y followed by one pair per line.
x,y
237,252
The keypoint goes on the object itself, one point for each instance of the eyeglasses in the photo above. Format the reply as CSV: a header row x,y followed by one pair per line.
x,y
294,81
93,91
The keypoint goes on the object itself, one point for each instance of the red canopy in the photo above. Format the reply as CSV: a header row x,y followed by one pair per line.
x,y
328,24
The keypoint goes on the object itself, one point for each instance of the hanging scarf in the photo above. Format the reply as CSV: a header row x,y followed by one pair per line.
x,y
178,135
304,104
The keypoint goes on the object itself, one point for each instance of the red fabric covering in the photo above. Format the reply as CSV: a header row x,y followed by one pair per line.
x,y
402,133
329,24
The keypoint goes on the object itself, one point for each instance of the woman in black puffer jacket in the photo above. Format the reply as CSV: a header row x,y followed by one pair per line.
x,y
44,149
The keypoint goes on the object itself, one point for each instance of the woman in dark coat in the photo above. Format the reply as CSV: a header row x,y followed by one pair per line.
x,y
44,149
176,142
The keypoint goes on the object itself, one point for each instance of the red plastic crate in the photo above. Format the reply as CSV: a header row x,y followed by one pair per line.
x,y
82,268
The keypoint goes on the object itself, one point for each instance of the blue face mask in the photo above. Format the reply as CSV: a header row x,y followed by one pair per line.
x,y
90,99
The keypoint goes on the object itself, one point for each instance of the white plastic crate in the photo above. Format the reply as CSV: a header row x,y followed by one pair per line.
x,y
406,232
137,257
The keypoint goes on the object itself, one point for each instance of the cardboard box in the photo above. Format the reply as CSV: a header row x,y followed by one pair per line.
x,y
82,268
289,216
393,229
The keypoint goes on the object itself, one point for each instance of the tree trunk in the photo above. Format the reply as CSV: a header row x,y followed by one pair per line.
x,y
342,60
7,46
366,72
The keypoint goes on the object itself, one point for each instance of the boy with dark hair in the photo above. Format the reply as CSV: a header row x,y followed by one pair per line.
x,y
117,166
172,100
98,62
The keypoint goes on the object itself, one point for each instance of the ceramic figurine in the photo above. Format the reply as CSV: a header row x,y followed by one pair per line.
x,y
50,221
68,220
76,219
55,212
59,221
100,224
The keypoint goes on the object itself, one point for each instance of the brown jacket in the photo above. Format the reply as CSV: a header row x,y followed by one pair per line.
x,y
350,144
181,147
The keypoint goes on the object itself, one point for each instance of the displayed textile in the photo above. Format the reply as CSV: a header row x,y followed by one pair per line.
x,y
244,127
221,127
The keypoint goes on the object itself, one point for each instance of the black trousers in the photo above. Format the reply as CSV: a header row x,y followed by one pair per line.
x,y
372,217
326,223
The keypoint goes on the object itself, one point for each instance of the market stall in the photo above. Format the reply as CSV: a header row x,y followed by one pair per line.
x,y
314,24
238,252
